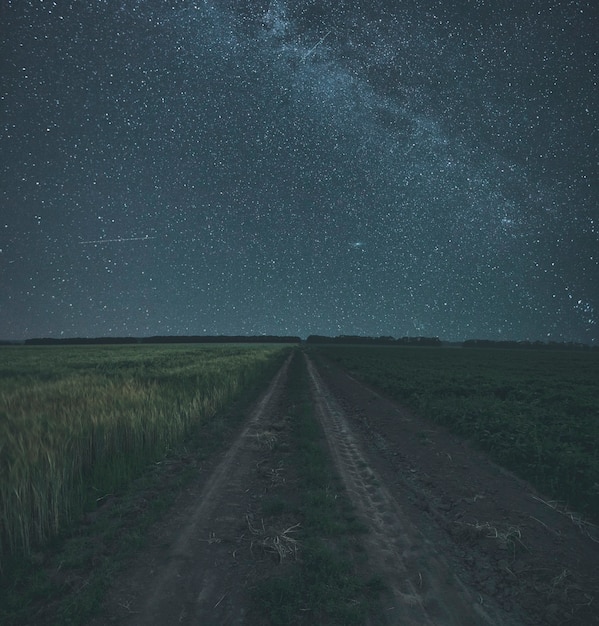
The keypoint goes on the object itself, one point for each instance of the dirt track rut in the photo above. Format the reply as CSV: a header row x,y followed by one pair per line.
x,y
196,580
423,588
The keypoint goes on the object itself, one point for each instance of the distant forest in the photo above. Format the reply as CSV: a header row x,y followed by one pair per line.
x,y
534,345
435,341
163,339
312,340
376,341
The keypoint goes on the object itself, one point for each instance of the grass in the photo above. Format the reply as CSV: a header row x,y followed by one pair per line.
x,y
536,412
323,585
64,581
78,423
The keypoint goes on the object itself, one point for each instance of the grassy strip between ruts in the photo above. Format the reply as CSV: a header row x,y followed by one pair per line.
x,y
325,583
65,583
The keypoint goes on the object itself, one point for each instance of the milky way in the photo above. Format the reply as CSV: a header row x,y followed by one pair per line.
x,y
329,167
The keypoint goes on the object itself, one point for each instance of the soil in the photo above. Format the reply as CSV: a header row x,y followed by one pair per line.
x,y
457,539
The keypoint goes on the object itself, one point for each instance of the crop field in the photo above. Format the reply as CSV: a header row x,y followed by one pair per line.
x,y
78,422
536,412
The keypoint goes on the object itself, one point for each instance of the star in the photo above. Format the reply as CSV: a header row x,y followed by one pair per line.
x,y
216,168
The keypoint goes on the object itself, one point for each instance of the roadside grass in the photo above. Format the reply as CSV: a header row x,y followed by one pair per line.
x,y
324,584
80,422
65,581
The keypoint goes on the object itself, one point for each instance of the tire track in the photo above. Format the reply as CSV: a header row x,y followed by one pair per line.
x,y
423,588
182,591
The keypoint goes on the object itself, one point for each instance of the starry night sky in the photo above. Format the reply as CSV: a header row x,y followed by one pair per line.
x,y
311,166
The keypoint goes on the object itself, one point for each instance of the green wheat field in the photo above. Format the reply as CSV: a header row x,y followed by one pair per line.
x,y
78,422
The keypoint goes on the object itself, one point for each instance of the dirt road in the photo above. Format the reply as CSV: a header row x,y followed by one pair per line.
x,y
193,574
457,540
423,587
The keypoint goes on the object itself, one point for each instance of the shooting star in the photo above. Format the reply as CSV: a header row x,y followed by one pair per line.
x,y
315,46
118,240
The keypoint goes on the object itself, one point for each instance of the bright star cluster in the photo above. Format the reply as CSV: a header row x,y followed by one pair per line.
x,y
299,167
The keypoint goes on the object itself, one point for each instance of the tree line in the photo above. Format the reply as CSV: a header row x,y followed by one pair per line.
x,y
527,345
376,341
312,339
52,341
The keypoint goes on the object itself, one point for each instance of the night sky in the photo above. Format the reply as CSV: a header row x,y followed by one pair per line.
x,y
303,167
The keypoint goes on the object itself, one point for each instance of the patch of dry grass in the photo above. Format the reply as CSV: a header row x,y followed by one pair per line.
x,y
279,542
